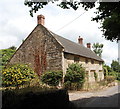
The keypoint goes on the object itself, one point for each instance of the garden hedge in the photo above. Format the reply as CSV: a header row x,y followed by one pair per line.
x,y
36,100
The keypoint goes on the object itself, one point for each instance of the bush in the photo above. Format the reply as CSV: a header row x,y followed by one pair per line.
x,y
52,78
110,79
74,77
16,75
118,76
113,73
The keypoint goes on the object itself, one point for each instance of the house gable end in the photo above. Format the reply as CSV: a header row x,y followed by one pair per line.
x,y
39,50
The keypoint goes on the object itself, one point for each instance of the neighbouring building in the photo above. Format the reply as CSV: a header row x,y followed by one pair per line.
x,y
44,51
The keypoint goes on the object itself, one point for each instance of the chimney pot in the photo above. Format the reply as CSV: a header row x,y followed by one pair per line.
x,y
80,40
89,45
40,19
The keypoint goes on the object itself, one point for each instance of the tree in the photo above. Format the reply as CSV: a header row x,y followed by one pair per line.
x,y
115,66
106,70
97,48
6,55
13,48
108,14
65,5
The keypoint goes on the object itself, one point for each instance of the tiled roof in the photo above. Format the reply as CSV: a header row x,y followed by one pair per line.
x,y
75,48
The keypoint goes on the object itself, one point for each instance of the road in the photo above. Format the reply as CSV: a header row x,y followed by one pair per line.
x,y
103,98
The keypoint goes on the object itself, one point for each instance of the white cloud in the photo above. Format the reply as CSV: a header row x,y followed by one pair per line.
x,y
110,52
8,41
16,24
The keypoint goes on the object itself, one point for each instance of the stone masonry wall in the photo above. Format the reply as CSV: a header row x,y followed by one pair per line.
x,y
89,67
40,50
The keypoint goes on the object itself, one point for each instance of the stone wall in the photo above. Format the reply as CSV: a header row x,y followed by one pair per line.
x,y
90,68
40,50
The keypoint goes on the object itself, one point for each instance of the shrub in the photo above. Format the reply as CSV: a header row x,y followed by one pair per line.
x,y
110,79
113,73
16,75
52,78
118,76
75,76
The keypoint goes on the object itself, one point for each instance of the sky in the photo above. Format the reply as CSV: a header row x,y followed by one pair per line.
x,y
16,24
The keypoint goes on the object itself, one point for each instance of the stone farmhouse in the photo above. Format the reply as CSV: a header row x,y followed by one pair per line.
x,y
44,51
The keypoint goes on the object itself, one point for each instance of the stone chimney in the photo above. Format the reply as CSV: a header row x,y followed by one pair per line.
x,y
80,40
40,20
89,45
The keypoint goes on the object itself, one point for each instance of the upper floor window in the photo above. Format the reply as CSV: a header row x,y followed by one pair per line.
x,y
65,55
86,61
92,61
76,58
100,63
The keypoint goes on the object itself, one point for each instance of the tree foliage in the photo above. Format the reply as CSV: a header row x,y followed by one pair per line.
x,y
16,75
6,54
97,48
13,48
35,6
114,70
108,13
115,66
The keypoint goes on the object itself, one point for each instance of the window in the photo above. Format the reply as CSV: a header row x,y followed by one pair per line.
x,y
86,61
65,55
92,61
100,71
100,63
76,58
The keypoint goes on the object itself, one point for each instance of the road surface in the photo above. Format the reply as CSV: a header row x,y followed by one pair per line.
x,y
103,98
